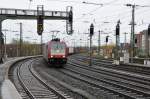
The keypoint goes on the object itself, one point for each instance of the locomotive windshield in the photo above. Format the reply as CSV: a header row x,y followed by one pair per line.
x,y
57,48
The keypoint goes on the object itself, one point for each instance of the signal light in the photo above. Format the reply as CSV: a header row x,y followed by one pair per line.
x,y
117,29
149,30
135,40
40,16
107,39
1,40
70,16
69,22
91,29
40,25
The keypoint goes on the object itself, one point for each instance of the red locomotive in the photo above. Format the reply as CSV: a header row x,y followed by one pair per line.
x,y
55,52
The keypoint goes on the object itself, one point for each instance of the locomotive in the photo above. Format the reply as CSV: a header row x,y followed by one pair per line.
x,y
55,52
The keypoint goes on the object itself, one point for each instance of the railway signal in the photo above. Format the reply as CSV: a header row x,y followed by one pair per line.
x,y
117,29
135,40
116,61
107,39
149,30
69,21
70,16
91,30
1,40
40,25
91,34
40,19
1,47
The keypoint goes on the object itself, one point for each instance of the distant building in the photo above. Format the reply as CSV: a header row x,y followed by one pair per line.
x,y
143,44
139,40
124,46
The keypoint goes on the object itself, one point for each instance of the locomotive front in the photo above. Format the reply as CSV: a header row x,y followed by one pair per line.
x,y
57,53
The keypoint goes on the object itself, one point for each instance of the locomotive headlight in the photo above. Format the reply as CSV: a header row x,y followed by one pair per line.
x,y
52,56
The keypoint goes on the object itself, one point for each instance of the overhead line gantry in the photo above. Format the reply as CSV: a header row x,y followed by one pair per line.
x,y
25,14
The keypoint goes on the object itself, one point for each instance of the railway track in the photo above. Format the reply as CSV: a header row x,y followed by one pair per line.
x,y
74,86
34,86
102,83
130,87
108,64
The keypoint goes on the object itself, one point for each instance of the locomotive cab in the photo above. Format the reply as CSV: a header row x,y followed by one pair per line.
x,y
56,52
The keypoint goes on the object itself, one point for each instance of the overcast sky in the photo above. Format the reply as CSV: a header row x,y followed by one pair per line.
x,y
84,15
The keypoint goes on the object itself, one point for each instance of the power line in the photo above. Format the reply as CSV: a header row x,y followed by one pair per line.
x,y
101,5
65,1
125,15
122,18
92,3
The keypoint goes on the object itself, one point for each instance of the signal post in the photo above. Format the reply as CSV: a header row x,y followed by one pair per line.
x,y
116,61
40,17
91,34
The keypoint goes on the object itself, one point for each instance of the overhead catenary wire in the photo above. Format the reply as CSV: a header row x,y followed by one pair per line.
x,y
122,13
76,20
126,17
65,1
97,8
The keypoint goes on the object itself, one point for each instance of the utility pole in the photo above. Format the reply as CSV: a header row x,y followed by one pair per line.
x,y
88,45
34,45
5,53
27,47
133,36
99,42
132,30
21,39
90,63
17,35
1,42
80,44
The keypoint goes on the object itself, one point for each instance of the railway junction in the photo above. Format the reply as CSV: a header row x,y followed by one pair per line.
x,y
32,78
61,64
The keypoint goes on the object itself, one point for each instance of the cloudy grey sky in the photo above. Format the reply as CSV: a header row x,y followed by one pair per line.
x,y
84,15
